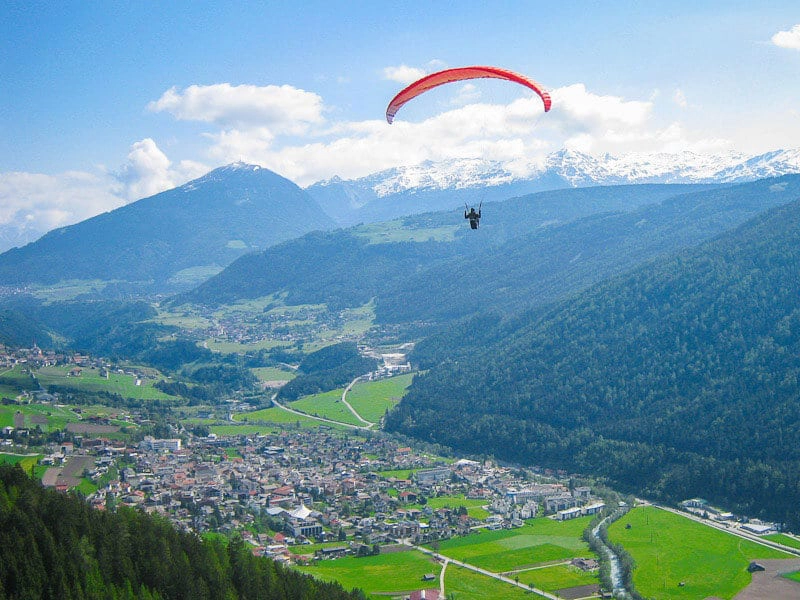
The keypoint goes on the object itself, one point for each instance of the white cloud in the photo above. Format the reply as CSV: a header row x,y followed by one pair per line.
x,y
33,203
788,39
403,74
149,171
467,93
518,133
680,98
283,109
39,202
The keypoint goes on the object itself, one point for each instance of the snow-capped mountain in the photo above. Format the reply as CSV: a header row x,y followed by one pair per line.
x,y
435,186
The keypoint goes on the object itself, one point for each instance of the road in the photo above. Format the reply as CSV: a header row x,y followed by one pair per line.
x,y
308,416
352,410
503,578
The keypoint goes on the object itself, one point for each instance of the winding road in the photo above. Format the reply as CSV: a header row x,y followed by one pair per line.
x,y
367,424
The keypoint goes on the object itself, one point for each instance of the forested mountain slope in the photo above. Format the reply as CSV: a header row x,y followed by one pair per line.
x,y
349,267
676,380
546,264
528,251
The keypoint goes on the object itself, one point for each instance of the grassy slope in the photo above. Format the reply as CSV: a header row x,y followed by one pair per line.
x,y
669,549
371,399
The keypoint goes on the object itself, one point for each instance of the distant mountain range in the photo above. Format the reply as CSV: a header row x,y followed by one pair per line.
x,y
174,239
448,185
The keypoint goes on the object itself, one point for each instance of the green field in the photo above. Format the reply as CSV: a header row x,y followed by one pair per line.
x,y
281,417
25,461
396,572
397,473
17,375
226,347
783,539
539,541
557,577
69,289
328,405
469,585
90,380
196,275
669,549
371,399
47,417
474,506
273,374
395,231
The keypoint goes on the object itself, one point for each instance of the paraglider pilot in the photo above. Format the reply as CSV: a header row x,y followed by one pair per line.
x,y
473,216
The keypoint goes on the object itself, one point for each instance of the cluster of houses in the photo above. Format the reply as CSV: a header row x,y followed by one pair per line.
x,y
311,486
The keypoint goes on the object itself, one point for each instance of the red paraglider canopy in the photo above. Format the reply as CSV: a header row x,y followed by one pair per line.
x,y
449,75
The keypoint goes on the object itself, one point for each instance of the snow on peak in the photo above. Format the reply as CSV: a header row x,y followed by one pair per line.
x,y
579,169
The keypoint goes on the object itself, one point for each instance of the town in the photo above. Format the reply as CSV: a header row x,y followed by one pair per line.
x,y
281,492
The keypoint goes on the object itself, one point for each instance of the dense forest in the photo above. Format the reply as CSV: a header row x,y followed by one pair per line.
x,y
53,545
677,380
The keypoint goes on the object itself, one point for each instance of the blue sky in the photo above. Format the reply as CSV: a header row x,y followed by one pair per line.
x,y
105,102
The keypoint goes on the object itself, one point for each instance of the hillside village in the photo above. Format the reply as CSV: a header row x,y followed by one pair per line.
x,y
311,486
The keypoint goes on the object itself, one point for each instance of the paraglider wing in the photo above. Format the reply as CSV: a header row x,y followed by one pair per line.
x,y
449,75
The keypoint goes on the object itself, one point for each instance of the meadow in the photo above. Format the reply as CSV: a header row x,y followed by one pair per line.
x,y
396,572
47,416
273,374
782,538
90,381
25,461
371,399
328,405
538,541
464,584
398,231
556,577
670,549
474,506
267,419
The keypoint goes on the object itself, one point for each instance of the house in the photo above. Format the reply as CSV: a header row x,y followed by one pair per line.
x,y
569,513
559,502
424,595
585,564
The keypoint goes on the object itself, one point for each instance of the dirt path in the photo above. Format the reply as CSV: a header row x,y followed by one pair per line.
x,y
770,584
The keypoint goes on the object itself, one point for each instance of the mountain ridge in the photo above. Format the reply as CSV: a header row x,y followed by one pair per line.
x,y
417,188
